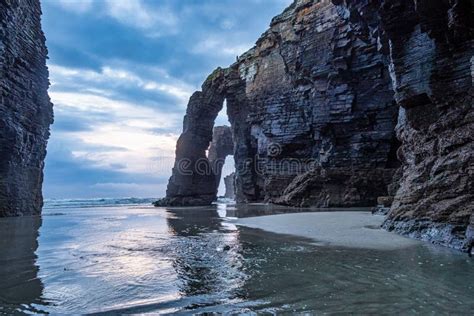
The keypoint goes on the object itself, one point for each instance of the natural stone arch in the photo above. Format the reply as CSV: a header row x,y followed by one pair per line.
x,y
187,185
195,177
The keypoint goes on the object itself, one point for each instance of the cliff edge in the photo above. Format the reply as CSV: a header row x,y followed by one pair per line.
x,y
25,108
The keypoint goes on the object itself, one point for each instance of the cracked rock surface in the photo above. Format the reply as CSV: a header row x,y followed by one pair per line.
x,y
25,108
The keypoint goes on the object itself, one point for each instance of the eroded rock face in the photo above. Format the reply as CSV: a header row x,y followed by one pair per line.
x,y
193,181
313,94
432,70
222,145
336,95
431,48
229,186
321,102
25,108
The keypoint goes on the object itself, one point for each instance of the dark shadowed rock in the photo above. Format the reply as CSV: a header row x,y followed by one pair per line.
x,y
313,93
432,70
334,98
25,108
431,49
222,145
229,186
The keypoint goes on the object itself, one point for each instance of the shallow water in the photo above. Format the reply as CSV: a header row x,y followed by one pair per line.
x,y
137,259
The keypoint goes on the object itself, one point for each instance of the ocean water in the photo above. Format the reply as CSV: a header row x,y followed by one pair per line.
x,y
124,256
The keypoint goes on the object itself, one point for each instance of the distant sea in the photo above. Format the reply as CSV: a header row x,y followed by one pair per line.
x,y
97,202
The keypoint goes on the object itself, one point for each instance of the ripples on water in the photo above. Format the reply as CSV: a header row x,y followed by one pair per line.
x,y
137,259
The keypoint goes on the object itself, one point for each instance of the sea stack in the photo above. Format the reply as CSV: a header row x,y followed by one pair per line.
x,y
26,112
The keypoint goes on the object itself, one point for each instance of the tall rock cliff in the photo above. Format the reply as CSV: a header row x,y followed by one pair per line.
x,y
25,108
341,102
430,45
432,65
312,114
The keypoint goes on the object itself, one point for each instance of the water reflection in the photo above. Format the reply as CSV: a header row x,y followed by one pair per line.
x,y
193,221
144,260
208,260
20,287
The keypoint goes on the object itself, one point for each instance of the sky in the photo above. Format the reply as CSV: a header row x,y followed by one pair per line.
x,y
121,74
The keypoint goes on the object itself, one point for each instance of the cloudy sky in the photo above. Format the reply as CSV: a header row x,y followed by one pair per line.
x,y
121,73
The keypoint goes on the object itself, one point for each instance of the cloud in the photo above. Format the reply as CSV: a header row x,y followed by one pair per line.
x,y
134,13
122,111
220,46
145,190
122,72
110,77
137,14
123,125
79,6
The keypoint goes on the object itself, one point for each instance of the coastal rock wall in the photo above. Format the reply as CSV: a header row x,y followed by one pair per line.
x,y
25,108
321,109
193,181
342,102
313,96
432,70
431,49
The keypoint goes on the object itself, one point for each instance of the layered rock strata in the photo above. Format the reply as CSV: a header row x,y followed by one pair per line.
x,y
432,74
25,108
431,49
343,102
313,96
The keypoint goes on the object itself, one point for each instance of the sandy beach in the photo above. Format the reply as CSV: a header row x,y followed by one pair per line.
x,y
346,229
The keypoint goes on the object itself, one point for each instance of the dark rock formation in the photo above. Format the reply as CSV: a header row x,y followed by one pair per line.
x,y
222,145
313,95
229,186
193,181
432,71
198,175
431,49
337,95
337,187
25,108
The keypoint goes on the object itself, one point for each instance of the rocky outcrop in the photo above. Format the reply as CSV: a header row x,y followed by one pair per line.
x,y
25,108
312,95
229,186
196,176
350,103
432,74
222,145
431,49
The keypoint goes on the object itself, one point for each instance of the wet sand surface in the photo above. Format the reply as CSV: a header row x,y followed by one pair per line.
x,y
347,229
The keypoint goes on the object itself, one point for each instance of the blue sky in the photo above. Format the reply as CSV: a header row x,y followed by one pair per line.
x,y
121,73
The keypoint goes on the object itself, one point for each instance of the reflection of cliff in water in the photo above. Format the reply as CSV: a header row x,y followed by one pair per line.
x,y
20,287
206,254
193,221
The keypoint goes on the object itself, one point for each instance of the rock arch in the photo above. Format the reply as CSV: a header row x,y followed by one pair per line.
x,y
195,176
